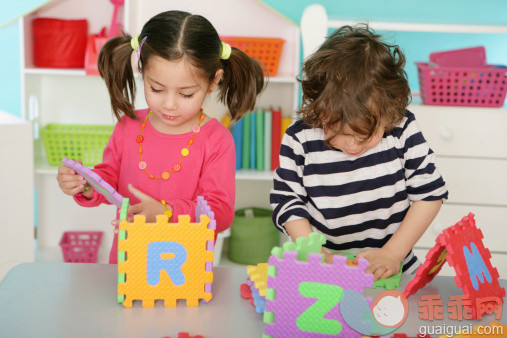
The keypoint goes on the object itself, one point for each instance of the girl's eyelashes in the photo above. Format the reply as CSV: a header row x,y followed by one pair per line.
x,y
187,96
155,90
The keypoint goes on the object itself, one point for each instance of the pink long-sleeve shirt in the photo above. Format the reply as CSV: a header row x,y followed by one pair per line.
x,y
209,169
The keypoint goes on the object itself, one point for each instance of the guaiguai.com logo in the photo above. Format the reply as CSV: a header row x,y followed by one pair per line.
x,y
387,312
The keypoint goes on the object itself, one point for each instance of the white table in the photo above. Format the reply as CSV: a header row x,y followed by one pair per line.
x,y
79,300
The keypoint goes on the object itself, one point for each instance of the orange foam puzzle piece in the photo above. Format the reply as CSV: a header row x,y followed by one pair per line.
x,y
196,241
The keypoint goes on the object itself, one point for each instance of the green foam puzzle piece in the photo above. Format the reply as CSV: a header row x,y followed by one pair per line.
x,y
304,246
389,283
121,278
269,317
124,208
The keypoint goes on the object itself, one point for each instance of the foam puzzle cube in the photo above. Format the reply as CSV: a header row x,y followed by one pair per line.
x,y
165,261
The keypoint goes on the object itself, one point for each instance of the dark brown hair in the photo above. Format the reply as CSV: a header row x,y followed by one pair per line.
x,y
355,79
174,35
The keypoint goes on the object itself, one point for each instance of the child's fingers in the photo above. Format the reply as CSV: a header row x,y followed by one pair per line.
x,y
387,273
74,191
138,193
77,179
370,269
68,185
115,222
68,175
65,170
135,209
379,272
363,254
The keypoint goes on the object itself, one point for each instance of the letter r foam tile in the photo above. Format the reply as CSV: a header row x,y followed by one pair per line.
x,y
167,261
293,285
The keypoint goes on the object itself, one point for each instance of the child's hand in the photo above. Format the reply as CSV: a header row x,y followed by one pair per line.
x,y
328,257
147,206
71,183
383,264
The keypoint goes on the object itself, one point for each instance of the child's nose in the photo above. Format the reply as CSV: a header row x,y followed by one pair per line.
x,y
170,102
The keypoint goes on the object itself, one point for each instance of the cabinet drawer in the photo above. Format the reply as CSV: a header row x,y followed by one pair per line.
x,y
491,220
463,131
475,181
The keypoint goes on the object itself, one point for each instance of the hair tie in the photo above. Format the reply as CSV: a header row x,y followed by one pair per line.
x,y
226,51
134,43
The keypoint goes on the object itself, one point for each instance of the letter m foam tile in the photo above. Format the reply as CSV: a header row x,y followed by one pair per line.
x,y
461,246
165,261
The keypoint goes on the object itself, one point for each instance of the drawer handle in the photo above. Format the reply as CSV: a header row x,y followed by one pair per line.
x,y
446,134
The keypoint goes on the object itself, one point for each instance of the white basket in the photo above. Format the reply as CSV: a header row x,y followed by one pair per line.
x,y
219,245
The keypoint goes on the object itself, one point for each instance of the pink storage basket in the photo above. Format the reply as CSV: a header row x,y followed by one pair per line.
x,y
80,246
462,86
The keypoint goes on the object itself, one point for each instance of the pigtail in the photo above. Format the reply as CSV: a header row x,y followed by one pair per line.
x,y
242,81
115,68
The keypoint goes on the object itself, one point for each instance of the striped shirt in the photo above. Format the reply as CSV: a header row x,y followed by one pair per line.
x,y
355,202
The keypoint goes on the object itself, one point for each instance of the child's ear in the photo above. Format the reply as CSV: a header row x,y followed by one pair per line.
x,y
218,75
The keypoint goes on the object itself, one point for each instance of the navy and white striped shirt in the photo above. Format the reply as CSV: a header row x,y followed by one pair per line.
x,y
356,202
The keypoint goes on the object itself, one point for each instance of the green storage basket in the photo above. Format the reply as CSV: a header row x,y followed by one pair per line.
x,y
252,238
75,141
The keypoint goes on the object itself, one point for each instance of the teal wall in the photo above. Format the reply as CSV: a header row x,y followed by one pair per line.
x,y
417,46
10,79
470,12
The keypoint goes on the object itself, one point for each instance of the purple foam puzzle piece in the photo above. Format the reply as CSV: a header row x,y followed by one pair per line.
x,y
289,304
94,179
202,208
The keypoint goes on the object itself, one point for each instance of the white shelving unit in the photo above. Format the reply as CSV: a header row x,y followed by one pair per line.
x,y
16,199
469,143
69,96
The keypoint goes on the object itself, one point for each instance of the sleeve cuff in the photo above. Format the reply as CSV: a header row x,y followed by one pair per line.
x,y
96,200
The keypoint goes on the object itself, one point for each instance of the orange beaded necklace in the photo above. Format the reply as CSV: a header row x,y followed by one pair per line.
x,y
184,152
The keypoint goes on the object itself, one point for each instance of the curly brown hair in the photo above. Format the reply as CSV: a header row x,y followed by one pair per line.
x,y
354,79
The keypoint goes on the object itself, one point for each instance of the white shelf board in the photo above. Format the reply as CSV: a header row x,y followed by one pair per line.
x,y
282,79
247,174
423,27
56,71
417,104
81,72
42,167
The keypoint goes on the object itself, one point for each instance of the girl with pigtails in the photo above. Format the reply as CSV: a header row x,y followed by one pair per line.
x,y
166,155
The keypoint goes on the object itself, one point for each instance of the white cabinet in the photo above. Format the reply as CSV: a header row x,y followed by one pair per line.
x,y
469,144
69,96
16,196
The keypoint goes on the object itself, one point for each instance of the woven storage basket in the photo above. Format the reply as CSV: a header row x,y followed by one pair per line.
x,y
265,50
80,246
252,238
83,142
462,86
